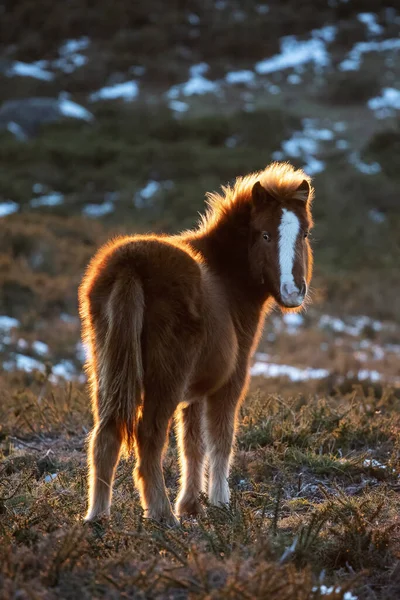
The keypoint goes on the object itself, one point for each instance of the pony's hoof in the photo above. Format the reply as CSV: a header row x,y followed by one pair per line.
x,y
189,507
93,517
165,519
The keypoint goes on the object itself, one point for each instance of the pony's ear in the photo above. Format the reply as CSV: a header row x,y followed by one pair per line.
x,y
303,191
260,196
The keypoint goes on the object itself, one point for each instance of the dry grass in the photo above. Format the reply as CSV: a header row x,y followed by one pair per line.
x,y
310,506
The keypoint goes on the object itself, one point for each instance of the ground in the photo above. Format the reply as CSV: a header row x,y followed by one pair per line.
x,y
314,510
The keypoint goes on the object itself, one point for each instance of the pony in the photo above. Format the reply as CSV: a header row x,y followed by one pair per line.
x,y
171,323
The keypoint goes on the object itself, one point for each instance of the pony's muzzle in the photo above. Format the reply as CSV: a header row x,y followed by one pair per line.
x,y
292,295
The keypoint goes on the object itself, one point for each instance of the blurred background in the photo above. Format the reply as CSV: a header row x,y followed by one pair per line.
x,y
118,117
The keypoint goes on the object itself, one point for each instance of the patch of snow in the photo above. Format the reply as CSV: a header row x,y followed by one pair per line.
x,y
137,70
323,589
70,57
305,145
50,477
231,142
293,322
262,9
8,207
294,79
373,375
340,126
196,85
367,169
38,188
143,198
23,363
40,348
353,60
127,91
51,199
22,344
74,110
370,20
296,52
178,105
34,70
356,327
293,373
82,352
66,318
342,144
7,323
376,215
98,210
244,76
273,89
193,19
385,104
17,131
368,462
65,369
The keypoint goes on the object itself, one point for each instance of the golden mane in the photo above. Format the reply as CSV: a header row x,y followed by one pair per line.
x,y
281,180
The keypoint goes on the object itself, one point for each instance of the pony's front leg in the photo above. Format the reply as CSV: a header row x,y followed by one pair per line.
x,y
221,409
151,437
192,450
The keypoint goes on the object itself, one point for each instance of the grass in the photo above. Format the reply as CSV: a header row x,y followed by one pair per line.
x,y
308,509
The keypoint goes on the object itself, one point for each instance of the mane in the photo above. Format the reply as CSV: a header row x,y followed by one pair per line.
x,y
280,180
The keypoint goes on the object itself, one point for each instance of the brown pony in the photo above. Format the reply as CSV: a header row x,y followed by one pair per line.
x,y
171,323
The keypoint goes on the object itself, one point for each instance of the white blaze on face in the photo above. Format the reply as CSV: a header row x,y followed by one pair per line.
x,y
288,231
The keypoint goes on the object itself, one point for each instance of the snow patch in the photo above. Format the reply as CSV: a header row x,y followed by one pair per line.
x,y
17,131
35,70
386,103
70,56
367,169
196,85
245,76
98,210
8,207
40,348
51,199
370,20
8,323
353,60
295,53
178,105
305,145
21,362
74,110
127,91
293,373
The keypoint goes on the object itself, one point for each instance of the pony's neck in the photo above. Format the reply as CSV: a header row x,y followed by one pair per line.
x,y
225,247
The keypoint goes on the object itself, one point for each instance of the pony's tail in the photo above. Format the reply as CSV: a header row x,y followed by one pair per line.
x,y
120,369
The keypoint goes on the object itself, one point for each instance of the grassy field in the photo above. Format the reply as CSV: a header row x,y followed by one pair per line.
x,y
314,512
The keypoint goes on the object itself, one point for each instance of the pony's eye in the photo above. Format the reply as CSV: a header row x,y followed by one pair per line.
x,y
266,236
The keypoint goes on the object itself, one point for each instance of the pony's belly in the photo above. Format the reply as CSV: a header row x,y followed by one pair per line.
x,y
216,363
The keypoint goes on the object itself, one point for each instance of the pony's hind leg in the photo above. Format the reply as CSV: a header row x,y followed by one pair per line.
x,y
104,450
151,435
192,452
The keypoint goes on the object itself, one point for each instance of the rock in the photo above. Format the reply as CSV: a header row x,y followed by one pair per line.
x,y
28,114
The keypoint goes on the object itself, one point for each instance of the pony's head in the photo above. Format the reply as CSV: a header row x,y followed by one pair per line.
x,y
279,250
